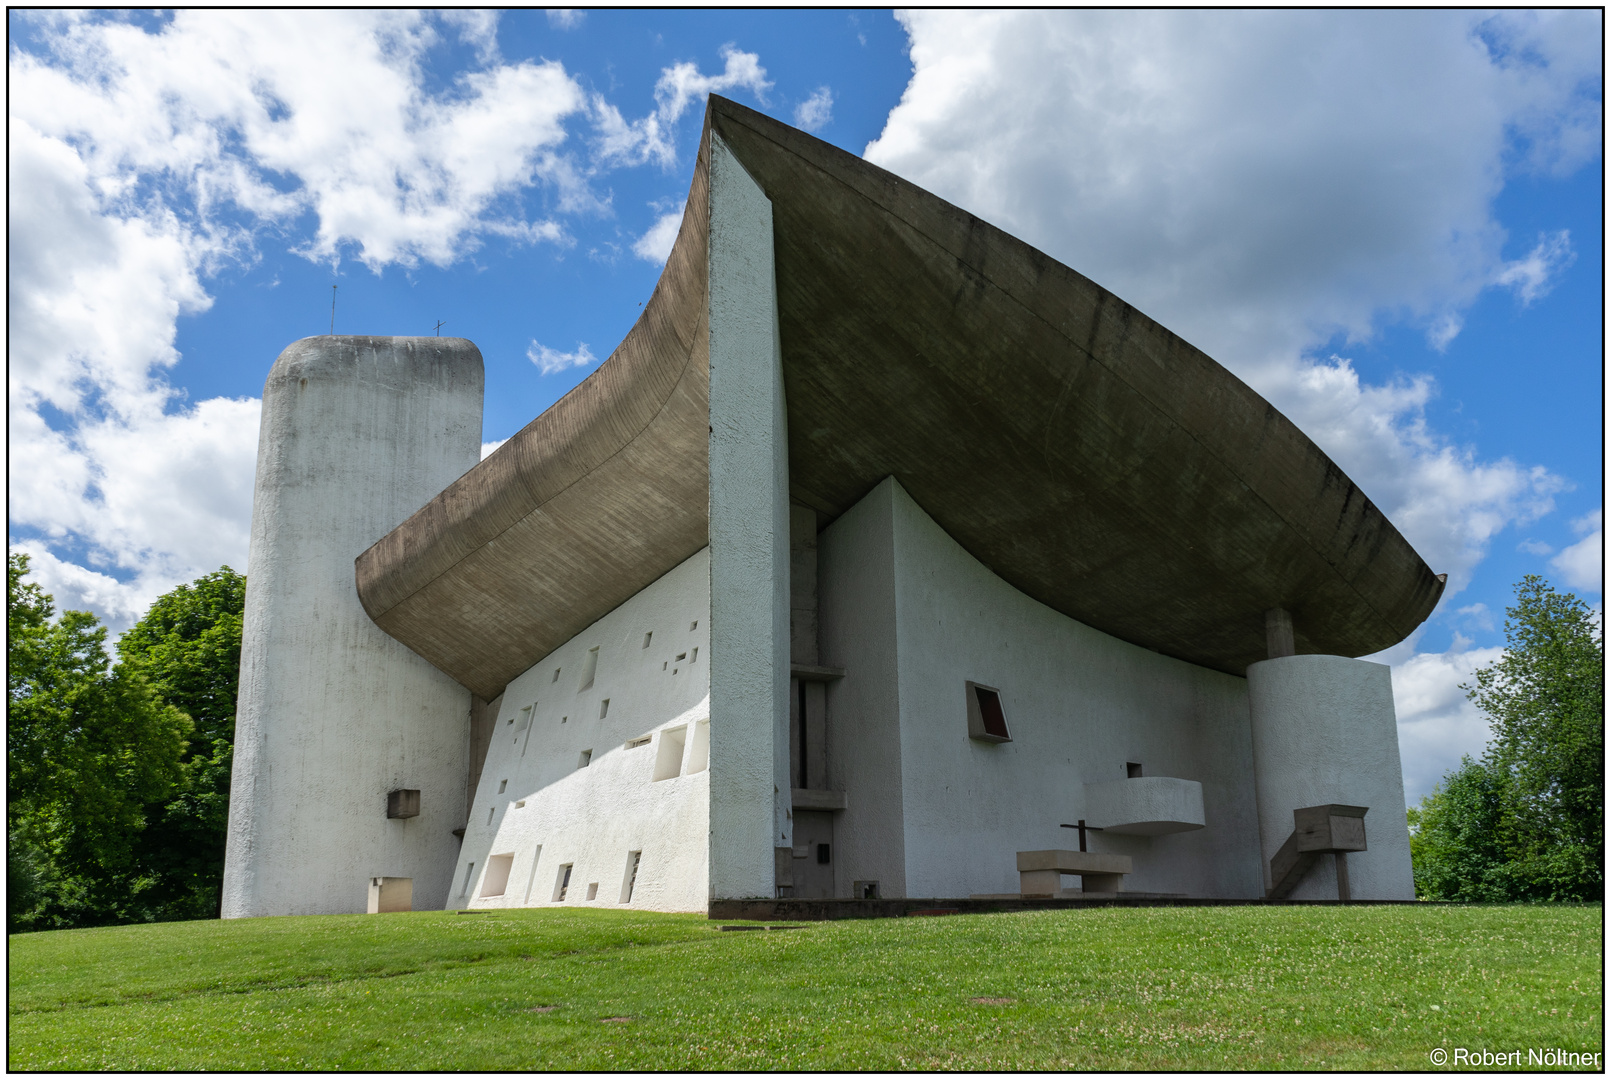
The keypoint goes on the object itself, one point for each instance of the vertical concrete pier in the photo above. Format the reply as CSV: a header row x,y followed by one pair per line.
x,y
357,433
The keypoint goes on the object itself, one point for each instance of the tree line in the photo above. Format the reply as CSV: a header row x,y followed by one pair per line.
x,y
117,778
118,772
1526,820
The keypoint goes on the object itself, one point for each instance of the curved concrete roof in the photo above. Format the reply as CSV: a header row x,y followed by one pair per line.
x,y
1090,457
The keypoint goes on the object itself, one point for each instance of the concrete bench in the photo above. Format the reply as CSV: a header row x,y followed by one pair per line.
x,y
1040,872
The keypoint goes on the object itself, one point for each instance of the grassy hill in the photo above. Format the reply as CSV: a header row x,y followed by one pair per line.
x,y
1151,988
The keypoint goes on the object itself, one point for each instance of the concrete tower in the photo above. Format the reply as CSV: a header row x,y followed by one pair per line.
x,y
357,433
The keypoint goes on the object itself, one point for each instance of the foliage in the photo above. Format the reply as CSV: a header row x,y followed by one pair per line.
x,y
89,749
1190,988
1527,821
188,646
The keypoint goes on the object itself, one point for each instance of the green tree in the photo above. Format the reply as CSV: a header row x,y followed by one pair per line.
x,y
1546,701
188,646
1527,821
89,749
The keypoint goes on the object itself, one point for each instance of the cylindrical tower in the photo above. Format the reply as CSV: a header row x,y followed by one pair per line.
x,y
1324,731
357,433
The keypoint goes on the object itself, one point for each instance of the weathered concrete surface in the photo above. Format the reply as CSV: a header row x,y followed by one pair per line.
x,y
333,714
1145,805
1086,454
579,511
750,814
1324,731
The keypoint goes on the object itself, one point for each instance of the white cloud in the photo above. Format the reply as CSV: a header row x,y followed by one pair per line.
x,y
655,245
814,112
488,447
1582,565
1263,182
236,108
565,18
1531,275
650,139
1534,547
550,361
1436,722
144,157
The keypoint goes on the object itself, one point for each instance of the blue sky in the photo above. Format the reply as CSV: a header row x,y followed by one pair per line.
x,y
1388,223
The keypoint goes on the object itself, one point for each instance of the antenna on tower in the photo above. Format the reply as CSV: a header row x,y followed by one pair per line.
x,y
332,311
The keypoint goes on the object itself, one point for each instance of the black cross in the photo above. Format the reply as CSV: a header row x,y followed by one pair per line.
x,y
439,325
1083,828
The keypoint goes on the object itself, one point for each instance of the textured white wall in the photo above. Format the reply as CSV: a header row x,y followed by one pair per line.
x,y
1079,705
592,817
856,616
749,541
357,433
1324,731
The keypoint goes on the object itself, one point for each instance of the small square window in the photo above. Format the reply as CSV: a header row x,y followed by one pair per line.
x,y
585,759
503,785
1132,770
694,625
592,890
987,721
604,708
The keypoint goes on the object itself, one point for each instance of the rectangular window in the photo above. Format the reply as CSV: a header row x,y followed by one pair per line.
x,y
694,625
592,890
631,878
490,811
520,804
562,883
668,762
604,708
632,743
646,638
469,875
1132,769
556,675
585,759
590,669
987,721
503,785
699,752
496,879
531,878
694,655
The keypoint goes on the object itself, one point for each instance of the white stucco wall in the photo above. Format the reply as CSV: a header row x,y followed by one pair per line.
x,y
1325,731
1079,705
856,617
593,816
749,541
357,433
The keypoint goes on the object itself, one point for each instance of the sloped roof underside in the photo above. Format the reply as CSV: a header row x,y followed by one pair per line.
x,y
1086,454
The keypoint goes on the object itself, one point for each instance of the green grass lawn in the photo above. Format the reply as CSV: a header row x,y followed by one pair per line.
x,y
1149,988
